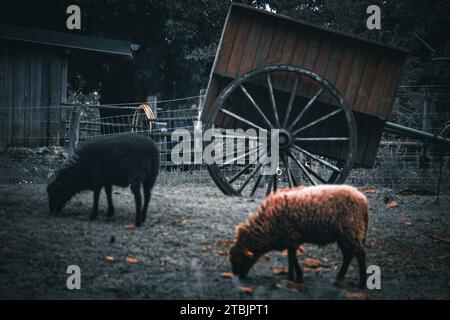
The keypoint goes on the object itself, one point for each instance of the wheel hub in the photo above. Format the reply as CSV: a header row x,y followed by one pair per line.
x,y
284,139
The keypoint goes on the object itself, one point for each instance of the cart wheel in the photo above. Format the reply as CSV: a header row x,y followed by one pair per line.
x,y
303,117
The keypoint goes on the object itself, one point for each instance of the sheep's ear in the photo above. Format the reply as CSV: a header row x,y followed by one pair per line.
x,y
240,229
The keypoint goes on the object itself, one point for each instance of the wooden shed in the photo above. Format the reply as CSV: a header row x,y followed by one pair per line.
x,y
33,81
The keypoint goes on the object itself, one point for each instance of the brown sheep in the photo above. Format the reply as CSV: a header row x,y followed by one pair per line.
x,y
290,217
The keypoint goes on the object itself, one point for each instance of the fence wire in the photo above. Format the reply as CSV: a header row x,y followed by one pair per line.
x,y
401,162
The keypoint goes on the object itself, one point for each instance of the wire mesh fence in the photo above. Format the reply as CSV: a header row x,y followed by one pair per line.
x,y
401,163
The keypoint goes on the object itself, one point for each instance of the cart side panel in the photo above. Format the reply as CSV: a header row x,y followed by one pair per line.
x,y
367,74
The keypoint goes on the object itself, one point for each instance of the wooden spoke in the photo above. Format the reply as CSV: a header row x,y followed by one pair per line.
x,y
308,105
325,163
255,186
329,115
322,139
272,100
258,167
290,176
241,172
302,167
252,101
291,101
310,170
238,158
275,182
269,186
235,116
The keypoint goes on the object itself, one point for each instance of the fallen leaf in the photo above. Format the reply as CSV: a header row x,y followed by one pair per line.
x,y
325,259
311,263
368,190
129,226
227,275
280,271
131,260
408,223
246,290
392,204
356,295
109,258
165,234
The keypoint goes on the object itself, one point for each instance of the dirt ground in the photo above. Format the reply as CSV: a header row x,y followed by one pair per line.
x,y
181,250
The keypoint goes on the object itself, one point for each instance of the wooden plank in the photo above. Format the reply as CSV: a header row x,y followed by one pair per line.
x,y
264,45
331,74
63,99
4,108
55,100
226,47
310,62
376,95
45,100
27,94
345,69
370,70
356,77
18,95
35,97
391,87
373,143
276,45
249,53
238,48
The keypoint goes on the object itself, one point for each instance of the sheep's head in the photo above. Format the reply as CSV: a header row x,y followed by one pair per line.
x,y
59,192
242,257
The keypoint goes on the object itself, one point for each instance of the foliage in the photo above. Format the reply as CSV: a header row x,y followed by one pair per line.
x,y
178,39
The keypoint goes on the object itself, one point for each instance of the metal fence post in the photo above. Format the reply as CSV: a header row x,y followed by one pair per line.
x,y
74,129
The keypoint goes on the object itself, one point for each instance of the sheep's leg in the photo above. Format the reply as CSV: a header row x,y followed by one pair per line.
x,y
361,257
95,207
147,194
294,266
290,276
108,191
135,188
348,256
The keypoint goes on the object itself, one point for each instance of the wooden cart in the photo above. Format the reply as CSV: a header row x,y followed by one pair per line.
x,y
328,93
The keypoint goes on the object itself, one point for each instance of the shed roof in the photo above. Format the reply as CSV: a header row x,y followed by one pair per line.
x,y
67,40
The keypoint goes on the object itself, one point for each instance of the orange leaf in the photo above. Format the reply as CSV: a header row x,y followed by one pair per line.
x,y
227,275
392,204
109,258
131,260
246,290
368,190
312,263
408,223
280,271
129,226
355,295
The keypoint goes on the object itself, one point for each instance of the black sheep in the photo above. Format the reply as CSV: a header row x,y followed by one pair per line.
x,y
121,160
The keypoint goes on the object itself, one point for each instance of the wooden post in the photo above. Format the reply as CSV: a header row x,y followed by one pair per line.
x,y
74,129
